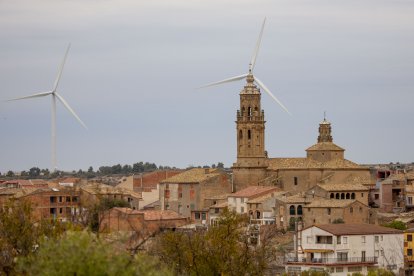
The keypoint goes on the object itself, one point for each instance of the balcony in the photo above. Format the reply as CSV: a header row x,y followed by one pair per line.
x,y
332,261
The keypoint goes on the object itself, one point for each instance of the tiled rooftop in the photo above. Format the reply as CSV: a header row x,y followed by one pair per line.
x,y
254,191
343,187
265,197
357,229
195,175
325,146
306,163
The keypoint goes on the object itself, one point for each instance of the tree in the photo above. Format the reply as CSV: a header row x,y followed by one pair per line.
x,y
338,221
10,174
34,172
82,253
396,224
220,165
20,232
224,249
380,272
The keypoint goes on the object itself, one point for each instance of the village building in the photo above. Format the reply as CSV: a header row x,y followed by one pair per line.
x,y
143,222
409,251
289,210
261,209
215,211
340,191
237,201
342,249
325,211
185,193
393,195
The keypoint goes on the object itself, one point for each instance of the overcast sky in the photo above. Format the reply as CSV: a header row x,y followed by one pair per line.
x,y
133,66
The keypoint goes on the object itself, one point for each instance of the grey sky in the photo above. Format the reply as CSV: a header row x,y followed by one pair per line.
x,y
133,67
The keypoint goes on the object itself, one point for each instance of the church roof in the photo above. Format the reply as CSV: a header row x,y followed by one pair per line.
x,y
307,163
325,146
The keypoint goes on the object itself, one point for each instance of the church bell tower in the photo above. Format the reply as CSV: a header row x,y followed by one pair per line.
x,y
251,163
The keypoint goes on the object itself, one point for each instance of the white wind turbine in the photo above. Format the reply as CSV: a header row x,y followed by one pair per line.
x,y
250,73
55,95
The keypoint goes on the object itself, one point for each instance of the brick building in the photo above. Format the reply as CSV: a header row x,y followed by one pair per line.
x,y
184,193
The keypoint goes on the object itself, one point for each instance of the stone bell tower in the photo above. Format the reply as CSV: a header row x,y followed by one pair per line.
x,y
251,163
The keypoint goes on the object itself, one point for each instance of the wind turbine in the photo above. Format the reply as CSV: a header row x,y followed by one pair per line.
x,y
55,96
249,75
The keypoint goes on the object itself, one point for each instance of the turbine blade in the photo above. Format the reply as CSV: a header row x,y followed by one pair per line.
x,y
37,95
270,94
256,49
236,78
62,100
60,70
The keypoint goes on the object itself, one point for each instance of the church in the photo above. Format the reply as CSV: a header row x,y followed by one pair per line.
x,y
324,162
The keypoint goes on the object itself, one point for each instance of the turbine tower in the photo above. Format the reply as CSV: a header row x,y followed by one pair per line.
x,y
249,76
55,96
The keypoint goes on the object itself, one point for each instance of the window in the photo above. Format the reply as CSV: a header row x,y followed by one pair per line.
x,y
363,239
242,200
409,237
167,193
52,199
295,180
410,200
343,196
292,210
203,216
409,252
382,238
342,256
339,269
75,199
345,240
300,210
348,195
60,210
324,239
376,196
362,194
249,134
53,211
242,209
329,211
216,210
354,269
258,215
68,199
337,196
240,134
167,206
196,215
338,239
61,199
353,196
376,238
332,195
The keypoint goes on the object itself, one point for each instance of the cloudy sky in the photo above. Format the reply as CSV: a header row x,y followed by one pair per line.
x,y
134,65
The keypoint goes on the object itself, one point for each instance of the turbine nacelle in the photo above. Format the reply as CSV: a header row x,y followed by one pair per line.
x,y
249,76
61,99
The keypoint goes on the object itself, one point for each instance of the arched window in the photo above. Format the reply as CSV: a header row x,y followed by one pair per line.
x,y
249,110
337,195
353,196
292,211
258,215
332,195
342,196
347,195
300,210
241,134
243,110
249,134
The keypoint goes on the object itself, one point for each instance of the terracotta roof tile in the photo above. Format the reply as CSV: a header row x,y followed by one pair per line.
x,y
307,163
298,198
343,187
254,191
325,146
265,197
195,175
357,229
